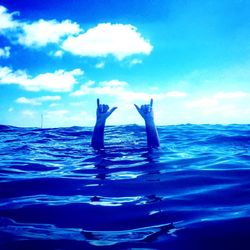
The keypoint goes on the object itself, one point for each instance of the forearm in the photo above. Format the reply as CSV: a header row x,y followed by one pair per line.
x,y
97,141
152,134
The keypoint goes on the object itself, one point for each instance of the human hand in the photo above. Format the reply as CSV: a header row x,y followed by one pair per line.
x,y
103,112
146,111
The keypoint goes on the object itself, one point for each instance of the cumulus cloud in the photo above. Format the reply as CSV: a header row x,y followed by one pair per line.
x,y
203,103
38,33
58,81
58,53
38,100
132,96
221,104
175,94
135,61
28,113
65,117
42,32
56,113
100,65
230,95
120,90
5,52
114,84
216,99
119,40
6,19
113,87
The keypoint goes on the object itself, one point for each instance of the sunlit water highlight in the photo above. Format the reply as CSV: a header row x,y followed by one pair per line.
x,y
193,193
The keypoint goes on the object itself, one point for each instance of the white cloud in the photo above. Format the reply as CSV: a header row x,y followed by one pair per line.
x,y
58,53
6,19
7,76
114,84
119,40
135,61
67,117
58,81
5,52
225,110
38,100
52,105
42,32
216,99
24,100
38,33
230,95
100,65
175,94
78,104
132,96
113,87
49,98
203,103
119,89
220,107
28,113
153,88
56,113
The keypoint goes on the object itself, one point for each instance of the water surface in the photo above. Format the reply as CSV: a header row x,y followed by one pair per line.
x,y
58,193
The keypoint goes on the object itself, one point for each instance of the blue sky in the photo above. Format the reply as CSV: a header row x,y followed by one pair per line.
x,y
57,57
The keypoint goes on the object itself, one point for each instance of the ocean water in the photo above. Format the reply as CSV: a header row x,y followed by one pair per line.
x,y
56,192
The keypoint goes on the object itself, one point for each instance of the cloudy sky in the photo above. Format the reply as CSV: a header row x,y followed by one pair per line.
x,y
58,56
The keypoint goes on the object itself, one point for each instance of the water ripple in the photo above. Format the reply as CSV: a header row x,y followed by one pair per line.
x,y
54,188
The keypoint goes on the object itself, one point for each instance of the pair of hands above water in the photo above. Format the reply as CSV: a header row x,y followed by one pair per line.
x,y
103,111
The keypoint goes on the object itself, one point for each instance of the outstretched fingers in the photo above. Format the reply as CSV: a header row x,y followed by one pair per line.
x,y
100,107
151,102
105,108
112,110
138,109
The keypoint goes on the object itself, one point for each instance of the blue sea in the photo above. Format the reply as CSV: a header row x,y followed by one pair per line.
x,y
57,193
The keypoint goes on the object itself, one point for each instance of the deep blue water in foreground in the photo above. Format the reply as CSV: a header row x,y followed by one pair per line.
x,y
193,193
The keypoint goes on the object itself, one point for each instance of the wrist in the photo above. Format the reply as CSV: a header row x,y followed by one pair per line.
x,y
100,123
149,122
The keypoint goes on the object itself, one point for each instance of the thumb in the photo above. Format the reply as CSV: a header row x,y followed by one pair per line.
x,y
138,109
112,110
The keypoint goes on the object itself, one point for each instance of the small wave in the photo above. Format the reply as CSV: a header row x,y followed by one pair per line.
x,y
7,128
55,188
146,234
218,139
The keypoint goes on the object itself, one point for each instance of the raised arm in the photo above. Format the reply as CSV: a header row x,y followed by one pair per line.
x,y
146,111
102,113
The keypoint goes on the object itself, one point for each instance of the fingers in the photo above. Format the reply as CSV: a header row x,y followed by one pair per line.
x,y
112,110
146,109
151,102
103,108
138,109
